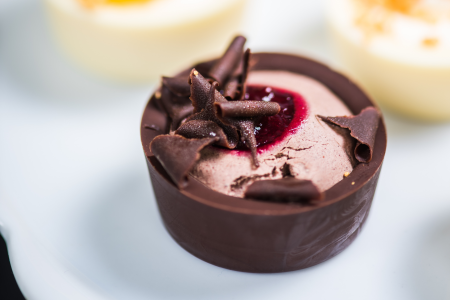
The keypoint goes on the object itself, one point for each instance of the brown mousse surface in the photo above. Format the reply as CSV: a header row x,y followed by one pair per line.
x,y
315,150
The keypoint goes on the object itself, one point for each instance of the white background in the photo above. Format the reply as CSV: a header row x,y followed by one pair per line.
x,y
79,215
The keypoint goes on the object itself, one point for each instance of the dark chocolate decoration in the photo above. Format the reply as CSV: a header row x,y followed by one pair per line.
x,y
244,74
197,129
247,109
203,97
231,88
177,85
261,236
247,129
243,115
230,60
176,107
235,87
178,154
363,127
287,189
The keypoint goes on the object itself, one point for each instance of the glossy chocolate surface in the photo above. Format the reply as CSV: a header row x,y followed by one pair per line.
x,y
255,236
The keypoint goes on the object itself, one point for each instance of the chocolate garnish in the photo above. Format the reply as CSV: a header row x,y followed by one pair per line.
x,y
231,88
244,74
210,105
246,109
229,61
236,85
197,129
363,127
177,85
176,107
243,115
231,72
203,97
178,155
287,189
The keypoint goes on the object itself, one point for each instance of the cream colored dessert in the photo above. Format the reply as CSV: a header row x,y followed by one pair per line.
x,y
138,40
317,151
399,50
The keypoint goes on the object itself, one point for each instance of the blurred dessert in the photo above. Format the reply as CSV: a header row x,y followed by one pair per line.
x,y
399,50
138,40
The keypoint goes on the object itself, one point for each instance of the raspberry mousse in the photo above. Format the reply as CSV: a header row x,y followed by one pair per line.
x,y
262,162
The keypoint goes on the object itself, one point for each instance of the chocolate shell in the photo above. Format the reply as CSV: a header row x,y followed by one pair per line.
x,y
258,236
288,189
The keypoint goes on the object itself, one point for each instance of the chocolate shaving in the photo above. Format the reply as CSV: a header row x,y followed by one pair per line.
x,y
247,109
197,129
177,85
178,155
203,97
287,189
197,114
236,85
243,115
363,127
176,107
231,88
244,74
247,130
227,64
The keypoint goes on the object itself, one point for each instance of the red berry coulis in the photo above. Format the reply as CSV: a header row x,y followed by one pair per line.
x,y
271,130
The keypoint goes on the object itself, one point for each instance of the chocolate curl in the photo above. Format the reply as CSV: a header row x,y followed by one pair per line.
x,y
176,107
247,130
287,189
226,65
203,97
201,94
177,85
236,86
197,129
363,127
244,74
178,155
242,115
247,109
231,88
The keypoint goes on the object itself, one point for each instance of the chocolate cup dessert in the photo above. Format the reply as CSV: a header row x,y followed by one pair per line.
x,y
258,236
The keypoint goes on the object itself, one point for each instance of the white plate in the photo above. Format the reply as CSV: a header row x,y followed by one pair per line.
x,y
78,212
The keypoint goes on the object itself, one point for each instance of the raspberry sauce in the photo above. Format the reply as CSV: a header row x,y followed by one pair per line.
x,y
272,130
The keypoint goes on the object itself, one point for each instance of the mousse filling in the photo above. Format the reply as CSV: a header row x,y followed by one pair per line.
x,y
311,150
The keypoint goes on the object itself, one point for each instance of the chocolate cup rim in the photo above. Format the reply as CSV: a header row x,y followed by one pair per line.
x,y
334,81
